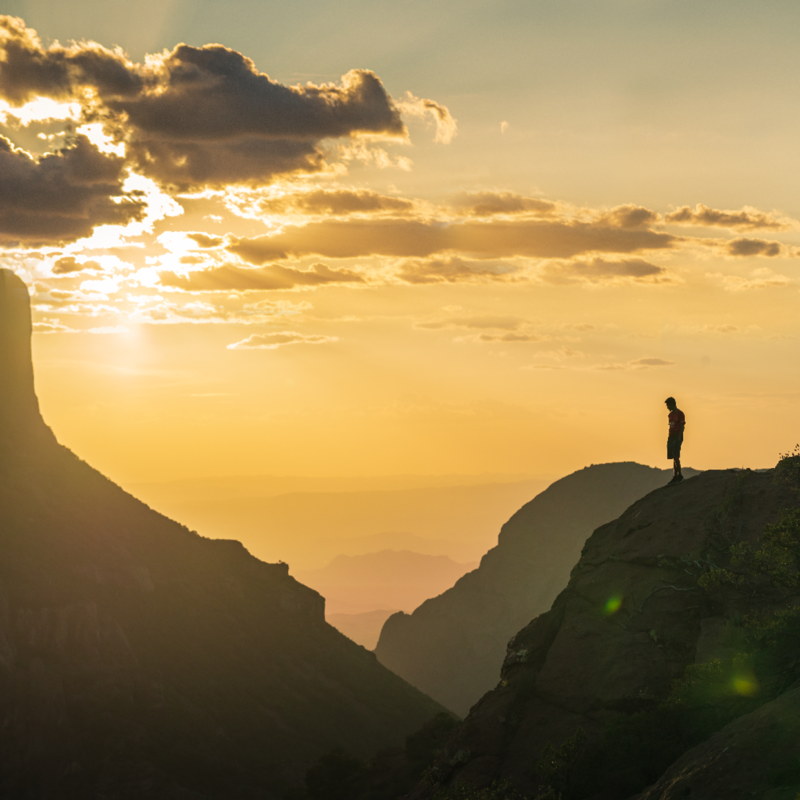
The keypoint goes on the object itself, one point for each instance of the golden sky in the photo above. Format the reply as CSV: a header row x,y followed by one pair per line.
x,y
362,238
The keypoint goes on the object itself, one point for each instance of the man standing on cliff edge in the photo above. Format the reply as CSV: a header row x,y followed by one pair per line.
x,y
677,422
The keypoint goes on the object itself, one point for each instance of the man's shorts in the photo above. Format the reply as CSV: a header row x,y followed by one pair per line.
x,y
674,445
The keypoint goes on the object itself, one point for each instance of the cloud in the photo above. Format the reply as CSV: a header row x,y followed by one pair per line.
x,y
651,362
746,219
109,329
68,265
338,203
455,270
477,322
271,341
236,279
412,238
61,196
630,216
486,204
52,326
505,337
599,270
446,127
721,328
761,278
205,115
212,119
205,241
28,70
563,352
753,247
638,363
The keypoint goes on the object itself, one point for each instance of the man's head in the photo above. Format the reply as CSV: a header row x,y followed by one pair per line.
x,y
671,404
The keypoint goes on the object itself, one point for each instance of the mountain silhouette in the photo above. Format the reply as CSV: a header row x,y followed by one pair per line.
x,y
450,646
139,659
642,681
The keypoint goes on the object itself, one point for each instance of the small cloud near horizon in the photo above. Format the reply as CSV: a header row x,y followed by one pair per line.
x,y
272,341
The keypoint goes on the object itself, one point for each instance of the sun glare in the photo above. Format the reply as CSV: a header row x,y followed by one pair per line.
x,y
42,109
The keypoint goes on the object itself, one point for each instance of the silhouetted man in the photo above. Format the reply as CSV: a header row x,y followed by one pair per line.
x,y
677,422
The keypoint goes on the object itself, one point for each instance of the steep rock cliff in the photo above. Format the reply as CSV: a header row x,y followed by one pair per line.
x,y
451,646
138,658
630,621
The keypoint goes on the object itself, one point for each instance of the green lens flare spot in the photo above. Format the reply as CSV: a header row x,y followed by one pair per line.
x,y
612,605
747,686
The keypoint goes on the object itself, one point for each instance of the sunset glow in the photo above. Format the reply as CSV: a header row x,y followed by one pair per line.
x,y
470,238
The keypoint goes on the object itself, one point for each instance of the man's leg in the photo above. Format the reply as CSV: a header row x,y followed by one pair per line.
x,y
676,466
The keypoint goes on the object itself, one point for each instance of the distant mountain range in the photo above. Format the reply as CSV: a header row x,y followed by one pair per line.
x,y
397,579
363,628
308,528
450,646
139,659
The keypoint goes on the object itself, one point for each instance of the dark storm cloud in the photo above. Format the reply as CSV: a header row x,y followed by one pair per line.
x,y
256,280
747,218
753,247
422,239
62,196
486,204
599,270
199,115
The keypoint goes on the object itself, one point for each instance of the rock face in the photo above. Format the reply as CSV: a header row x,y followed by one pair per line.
x,y
452,645
19,406
630,620
746,759
140,659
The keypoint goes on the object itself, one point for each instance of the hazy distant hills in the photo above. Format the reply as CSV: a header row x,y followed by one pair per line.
x,y
139,659
307,527
397,579
451,646
364,628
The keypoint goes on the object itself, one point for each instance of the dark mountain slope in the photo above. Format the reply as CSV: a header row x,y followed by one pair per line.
x,y
140,659
632,619
452,645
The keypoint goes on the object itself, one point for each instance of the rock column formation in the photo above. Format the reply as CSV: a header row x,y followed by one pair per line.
x,y
19,406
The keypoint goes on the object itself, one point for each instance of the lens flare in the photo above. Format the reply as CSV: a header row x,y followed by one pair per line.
x,y
747,686
612,605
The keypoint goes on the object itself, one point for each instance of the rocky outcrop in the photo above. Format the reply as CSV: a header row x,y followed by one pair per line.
x,y
757,755
138,659
452,645
19,407
629,622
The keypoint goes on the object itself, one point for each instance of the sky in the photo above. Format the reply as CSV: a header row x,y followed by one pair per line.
x,y
363,238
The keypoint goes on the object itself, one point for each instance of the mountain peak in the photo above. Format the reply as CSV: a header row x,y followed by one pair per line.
x,y
19,406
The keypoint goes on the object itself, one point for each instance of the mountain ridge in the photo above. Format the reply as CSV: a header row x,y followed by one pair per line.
x,y
450,646
138,658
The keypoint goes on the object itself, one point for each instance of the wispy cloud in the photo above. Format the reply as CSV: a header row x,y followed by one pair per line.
x,y
271,341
